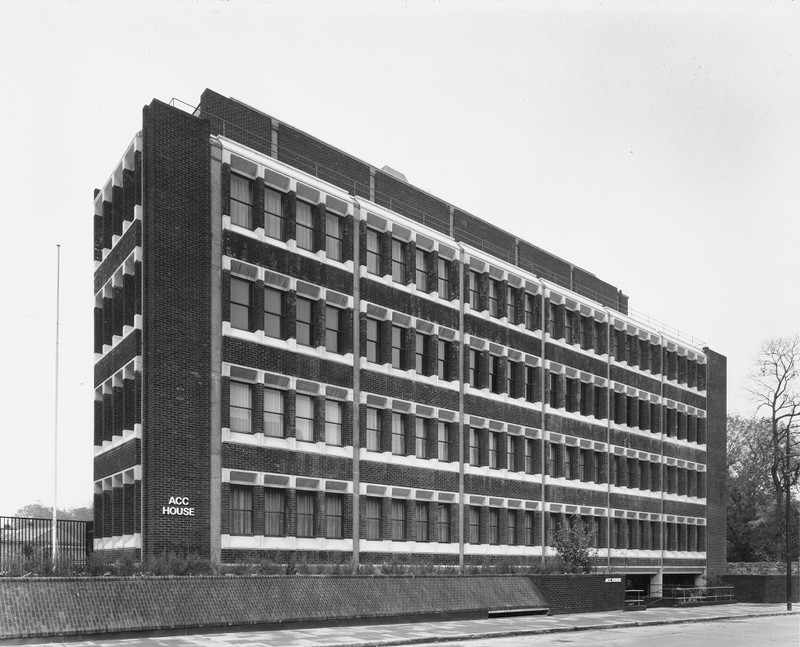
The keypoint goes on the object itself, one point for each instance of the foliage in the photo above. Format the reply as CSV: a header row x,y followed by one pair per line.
x,y
774,386
573,544
39,511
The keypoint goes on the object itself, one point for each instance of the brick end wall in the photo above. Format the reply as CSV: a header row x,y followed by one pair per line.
x,y
763,588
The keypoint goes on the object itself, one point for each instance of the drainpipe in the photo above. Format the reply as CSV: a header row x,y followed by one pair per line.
x,y
608,441
543,456
461,433
356,382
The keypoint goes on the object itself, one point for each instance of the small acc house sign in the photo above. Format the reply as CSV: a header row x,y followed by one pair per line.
x,y
178,506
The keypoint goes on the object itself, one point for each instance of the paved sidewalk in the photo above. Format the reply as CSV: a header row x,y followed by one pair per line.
x,y
427,632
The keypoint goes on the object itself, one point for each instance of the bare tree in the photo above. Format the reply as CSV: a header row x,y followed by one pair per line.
x,y
775,388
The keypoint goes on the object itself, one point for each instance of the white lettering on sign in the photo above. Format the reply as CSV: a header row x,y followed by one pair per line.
x,y
613,579
178,506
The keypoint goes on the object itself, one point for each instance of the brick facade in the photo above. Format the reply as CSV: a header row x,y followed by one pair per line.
x,y
314,356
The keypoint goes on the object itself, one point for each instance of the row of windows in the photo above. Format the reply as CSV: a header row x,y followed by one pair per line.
x,y
276,315
432,522
501,299
242,204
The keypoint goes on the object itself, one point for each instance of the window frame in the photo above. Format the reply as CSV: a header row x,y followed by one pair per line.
x,y
373,251
421,437
248,387
246,207
399,434
332,240
276,315
399,268
374,342
334,335
308,425
237,308
421,269
272,417
241,518
334,429
334,519
308,326
278,516
272,218
304,230
305,525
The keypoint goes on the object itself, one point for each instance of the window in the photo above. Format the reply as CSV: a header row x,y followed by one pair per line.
x,y
274,220
644,475
306,504
241,201
305,226
494,526
530,468
644,410
585,390
552,313
398,520
494,298
443,523
443,280
373,430
274,512
421,521
474,447
597,336
511,457
494,373
531,316
274,311
333,236
374,341
655,420
619,408
555,390
570,395
631,409
569,462
241,408
597,465
632,344
584,464
421,271
529,529
644,354
474,368
421,353
304,418
617,476
241,510
552,460
531,394
511,304
511,534
583,322
373,252
474,526
333,422
398,347
305,322
655,478
443,359
443,442
334,516
474,294
398,261
398,434
492,450
421,437
553,526
241,304
273,413
598,403
374,518
568,320
333,330
514,374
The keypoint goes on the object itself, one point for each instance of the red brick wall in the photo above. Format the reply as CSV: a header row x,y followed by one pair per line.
x,y
42,607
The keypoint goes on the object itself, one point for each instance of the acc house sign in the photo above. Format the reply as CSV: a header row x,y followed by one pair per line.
x,y
178,506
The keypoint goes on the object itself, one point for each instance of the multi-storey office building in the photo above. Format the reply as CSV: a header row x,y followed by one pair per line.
x,y
299,352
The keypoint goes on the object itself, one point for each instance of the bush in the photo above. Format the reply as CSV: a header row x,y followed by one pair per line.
x,y
573,546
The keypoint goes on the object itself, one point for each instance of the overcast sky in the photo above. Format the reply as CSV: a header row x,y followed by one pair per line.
x,y
656,145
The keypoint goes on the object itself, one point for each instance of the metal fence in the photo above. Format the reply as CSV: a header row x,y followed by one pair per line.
x,y
25,538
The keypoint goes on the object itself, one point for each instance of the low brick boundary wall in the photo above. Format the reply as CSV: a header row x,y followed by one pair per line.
x,y
31,607
763,588
581,593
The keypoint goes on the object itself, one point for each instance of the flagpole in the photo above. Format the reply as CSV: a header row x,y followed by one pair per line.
x,y
54,532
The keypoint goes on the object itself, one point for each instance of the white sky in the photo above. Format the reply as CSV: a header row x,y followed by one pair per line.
x,y
654,144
